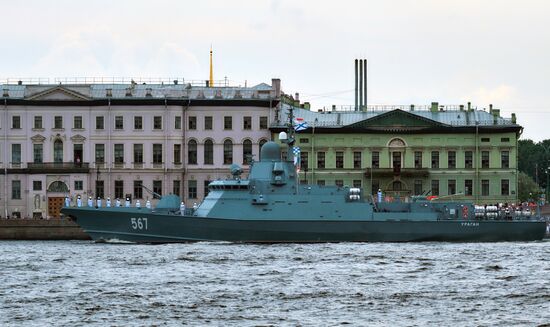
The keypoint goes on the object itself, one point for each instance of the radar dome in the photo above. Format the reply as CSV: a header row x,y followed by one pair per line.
x,y
270,151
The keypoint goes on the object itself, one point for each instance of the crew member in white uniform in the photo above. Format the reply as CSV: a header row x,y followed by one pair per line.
x,y
127,203
138,204
148,204
99,202
67,201
90,202
78,202
108,202
182,208
117,203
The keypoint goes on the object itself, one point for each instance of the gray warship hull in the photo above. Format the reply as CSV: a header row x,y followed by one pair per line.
x,y
143,226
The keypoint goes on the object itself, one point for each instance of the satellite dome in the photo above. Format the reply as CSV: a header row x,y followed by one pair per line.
x,y
270,151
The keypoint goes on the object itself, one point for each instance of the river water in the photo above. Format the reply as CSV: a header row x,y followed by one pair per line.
x,y
222,284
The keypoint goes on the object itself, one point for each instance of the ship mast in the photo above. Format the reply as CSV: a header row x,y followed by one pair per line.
x,y
290,130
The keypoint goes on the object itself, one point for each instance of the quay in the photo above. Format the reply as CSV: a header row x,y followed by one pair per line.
x,y
40,229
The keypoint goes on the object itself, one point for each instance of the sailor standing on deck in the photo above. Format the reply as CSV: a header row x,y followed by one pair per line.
x,y
108,202
67,202
195,206
148,204
78,202
138,204
90,202
98,202
379,195
182,208
117,203
127,203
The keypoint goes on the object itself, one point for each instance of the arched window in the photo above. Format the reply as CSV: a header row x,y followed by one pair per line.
x,y
261,143
208,152
227,152
192,152
397,186
58,186
247,152
58,151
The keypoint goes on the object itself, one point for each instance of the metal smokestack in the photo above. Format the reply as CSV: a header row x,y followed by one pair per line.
x,y
356,90
365,81
360,84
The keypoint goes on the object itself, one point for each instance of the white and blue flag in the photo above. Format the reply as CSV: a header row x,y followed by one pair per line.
x,y
300,124
296,151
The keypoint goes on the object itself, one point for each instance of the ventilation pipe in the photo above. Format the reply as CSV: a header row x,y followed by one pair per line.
x,y
356,84
360,84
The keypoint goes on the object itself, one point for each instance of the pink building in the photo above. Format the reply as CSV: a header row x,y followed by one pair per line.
x,y
105,140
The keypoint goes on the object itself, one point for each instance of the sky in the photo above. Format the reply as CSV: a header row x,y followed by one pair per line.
x,y
418,51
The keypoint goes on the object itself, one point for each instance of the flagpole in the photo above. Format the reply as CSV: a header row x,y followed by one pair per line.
x,y
313,153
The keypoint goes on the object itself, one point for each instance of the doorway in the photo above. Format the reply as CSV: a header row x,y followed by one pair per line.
x,y
77,154
54,206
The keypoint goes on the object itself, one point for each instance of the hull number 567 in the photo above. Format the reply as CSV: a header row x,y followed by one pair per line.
x,y
138,223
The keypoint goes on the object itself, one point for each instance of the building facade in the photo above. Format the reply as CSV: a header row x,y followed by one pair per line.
x,y
456,152
106,140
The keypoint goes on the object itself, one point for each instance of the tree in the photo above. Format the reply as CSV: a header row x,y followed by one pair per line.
x,y
527,188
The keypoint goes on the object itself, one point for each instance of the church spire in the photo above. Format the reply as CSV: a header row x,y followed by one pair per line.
x,y
211,80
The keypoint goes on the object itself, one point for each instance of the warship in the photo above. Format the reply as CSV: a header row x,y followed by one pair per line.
x,y
271,206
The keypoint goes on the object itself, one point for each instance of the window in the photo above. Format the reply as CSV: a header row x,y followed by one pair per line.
x,y
356,183
320,159
16,122
435,187
157,122
177,153
484,159
37,153
263,122
418,187
192,123
138,190
451,159
119,153
38,122
357,160
157,153
247,122
16,190
484,187
192,189
119,189
227,122
505,139
58,151
138,153
227,152
485,139
304,158
321,182
100,189
208,152
339,182
468,187
77,122
468,160
435,159
208,122
206,191
505,159
192,152
451,186
505,187
99,122
37,185
304,140
339,159
417,160
100,153
78,185
247,152
58,122
119,122
176,187
177,122
157,188
16,153
375,159
138,123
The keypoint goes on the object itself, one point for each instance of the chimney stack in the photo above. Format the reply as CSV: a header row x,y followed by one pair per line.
x,y
356,85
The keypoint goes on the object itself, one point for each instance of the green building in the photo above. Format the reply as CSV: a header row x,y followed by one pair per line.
x,y
445,151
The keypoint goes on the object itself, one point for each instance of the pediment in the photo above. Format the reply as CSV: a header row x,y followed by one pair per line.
x,y
78,138
38,138
58,93
397,119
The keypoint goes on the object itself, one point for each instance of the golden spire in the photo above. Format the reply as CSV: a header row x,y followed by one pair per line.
x,y
211,81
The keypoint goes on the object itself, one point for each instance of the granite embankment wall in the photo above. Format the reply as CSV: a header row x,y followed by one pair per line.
x,y
39,229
